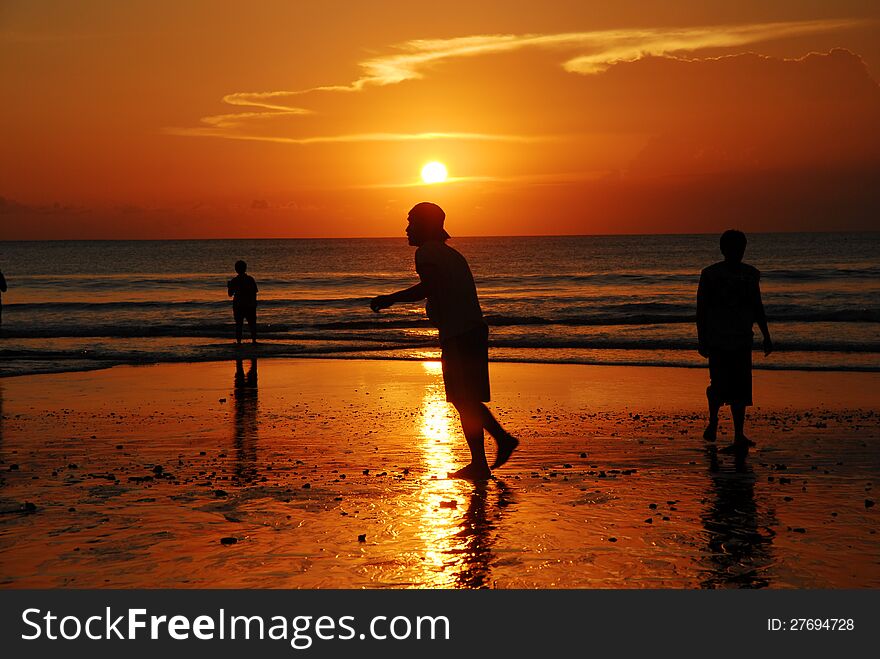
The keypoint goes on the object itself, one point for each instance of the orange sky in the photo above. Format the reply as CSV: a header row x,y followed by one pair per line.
x,y
209,119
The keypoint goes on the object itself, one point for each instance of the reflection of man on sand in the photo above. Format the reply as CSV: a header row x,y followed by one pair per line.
x,y
452,305
739,542
477,526
245,410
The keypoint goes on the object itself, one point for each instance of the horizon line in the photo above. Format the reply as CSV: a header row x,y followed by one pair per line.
x,y
401,236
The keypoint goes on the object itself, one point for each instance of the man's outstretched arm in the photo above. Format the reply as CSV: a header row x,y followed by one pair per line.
x,y
411,294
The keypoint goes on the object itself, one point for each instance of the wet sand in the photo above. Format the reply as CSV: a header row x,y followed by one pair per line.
x,y
331,474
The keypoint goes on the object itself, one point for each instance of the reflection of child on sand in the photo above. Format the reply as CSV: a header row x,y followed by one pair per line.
x,y
453,307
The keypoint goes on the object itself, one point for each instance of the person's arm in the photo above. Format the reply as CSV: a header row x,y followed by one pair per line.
x,y
761,319
2,283
411,294
230,287
702,333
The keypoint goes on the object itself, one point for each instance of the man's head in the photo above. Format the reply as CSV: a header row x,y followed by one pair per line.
x,y
240,267
733,245
426,223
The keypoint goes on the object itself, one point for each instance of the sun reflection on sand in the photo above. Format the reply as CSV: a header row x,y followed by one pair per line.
x,y
440,517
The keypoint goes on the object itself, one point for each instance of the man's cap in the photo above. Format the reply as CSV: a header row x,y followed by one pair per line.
x,y
429,217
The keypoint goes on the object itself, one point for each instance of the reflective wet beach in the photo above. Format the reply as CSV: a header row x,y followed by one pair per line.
x,y
332,474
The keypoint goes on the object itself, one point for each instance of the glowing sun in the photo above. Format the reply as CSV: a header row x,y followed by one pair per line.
x,y
434,172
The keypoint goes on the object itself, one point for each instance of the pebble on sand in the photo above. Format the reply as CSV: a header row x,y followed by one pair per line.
x,y
869,503
362,537
228,541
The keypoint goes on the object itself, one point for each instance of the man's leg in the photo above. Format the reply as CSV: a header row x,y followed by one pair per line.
x,y
507,443
711,431
252,326
739,420
238,326
472,426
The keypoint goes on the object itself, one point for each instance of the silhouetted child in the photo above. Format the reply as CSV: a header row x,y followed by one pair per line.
x,y
453,307
728,304
243,290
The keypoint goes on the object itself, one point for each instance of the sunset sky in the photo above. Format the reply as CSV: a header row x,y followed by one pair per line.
x,y
147,119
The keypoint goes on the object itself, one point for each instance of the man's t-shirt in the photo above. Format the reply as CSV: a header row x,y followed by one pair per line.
x,y
243,288
730,297
452,304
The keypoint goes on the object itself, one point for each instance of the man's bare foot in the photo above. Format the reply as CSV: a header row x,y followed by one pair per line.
x,y
711,431
506,446
472,472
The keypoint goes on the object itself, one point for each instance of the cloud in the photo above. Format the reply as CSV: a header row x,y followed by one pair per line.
x,y
363,137
590,52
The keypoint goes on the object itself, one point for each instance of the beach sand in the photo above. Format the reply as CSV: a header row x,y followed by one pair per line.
x,y
332,474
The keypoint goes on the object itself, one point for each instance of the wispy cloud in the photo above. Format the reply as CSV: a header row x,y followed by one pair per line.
x,y
362,137
590,52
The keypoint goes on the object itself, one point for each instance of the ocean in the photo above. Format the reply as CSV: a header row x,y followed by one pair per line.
x,y
75,305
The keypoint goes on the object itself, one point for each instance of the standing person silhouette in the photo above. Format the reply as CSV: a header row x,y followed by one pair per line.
x,y
453,307
728,305
243,290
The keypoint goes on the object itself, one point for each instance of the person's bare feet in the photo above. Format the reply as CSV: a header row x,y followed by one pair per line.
x,y
711,431
472,472
506,446
740,446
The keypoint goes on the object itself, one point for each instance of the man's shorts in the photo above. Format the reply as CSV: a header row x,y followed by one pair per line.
x,y
466,366
730,372
242,313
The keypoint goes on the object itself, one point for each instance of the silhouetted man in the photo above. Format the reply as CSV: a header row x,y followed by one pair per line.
x,y
728,304
453,307
243,290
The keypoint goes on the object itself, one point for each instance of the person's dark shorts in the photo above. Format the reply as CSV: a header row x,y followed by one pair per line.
x,y
730,374
465,361
242,313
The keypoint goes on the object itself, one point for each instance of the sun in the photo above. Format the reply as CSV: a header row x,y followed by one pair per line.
x,y
434,172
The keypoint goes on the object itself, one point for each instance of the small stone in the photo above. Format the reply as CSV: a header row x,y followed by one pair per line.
x,y
362,537
612,539
652,506
583,455
869,503
119,447
650,520
220,493
222,400
307,486
799,530
228,541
